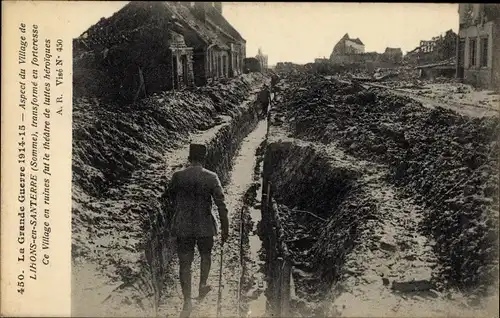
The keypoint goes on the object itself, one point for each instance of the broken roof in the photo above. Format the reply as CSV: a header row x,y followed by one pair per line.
x,y
185,14
137,15
219,19
449,63
356,40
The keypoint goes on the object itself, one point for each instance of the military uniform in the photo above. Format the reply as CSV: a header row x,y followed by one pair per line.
x,y
264,100
191,192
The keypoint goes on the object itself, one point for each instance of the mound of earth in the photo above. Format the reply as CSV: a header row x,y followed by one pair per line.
x,y
112,143
445,161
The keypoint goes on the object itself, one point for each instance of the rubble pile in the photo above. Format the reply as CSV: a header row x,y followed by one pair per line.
x,y
445,161
117,151
463,94
229,92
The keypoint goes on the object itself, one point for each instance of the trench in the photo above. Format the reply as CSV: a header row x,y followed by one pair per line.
x,y
339,234
342,234
316,212
336,233
232,154
147,283
253,301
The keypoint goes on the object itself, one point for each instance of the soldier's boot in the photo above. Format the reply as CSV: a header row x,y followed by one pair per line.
x,y
185,278
206,262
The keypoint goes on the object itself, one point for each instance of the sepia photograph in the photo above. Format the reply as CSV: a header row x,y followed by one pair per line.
x,y
266,159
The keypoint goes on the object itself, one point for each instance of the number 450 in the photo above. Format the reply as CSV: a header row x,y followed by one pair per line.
x,y
59,45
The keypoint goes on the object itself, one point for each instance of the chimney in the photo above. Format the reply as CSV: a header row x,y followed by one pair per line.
x,y
218,6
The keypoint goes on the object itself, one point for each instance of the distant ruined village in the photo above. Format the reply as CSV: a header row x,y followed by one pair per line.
x,y
149,47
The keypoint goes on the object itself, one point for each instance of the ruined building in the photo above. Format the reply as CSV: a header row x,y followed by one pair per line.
x,y
478,58
438,49
251,64
148,47
321,60
346,45
351,52
346,50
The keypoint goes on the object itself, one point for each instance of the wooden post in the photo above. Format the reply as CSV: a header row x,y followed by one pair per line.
x,y
285,288
278,286
241,261
141,84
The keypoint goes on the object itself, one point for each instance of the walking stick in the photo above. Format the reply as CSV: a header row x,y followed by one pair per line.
x,y
241,262
219,296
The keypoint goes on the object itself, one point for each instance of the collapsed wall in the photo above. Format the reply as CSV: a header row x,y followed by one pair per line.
x,y
123,159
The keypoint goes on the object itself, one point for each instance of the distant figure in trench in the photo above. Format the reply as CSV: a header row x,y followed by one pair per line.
x,y
191,194
264,100
274,80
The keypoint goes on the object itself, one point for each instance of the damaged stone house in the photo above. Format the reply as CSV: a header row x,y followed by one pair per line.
x,y
349,51
478,46
438,49
149,47
346,50
321,60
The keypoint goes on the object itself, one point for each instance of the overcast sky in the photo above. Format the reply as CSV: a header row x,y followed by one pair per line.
x,y
300,32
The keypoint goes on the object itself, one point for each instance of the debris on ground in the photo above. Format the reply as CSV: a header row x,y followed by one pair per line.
x,y
451,92
447,162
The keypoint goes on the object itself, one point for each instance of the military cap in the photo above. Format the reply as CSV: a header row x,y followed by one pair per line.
x,y
197,151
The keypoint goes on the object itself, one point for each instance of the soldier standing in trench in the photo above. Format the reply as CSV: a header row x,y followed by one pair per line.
x,y
264,100
191,192
274,80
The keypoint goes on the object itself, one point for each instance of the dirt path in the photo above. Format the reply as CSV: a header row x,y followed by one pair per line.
x,y
241,179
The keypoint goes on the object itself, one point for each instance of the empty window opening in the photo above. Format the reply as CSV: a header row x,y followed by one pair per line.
x,y
472,52
484,52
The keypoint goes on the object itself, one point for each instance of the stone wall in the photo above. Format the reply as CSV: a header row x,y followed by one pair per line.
x,y
476,74
495,63
478,77
237,55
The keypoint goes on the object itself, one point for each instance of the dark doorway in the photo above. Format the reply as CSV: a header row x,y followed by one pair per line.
x,y
199,70
175,73
184,62
219,67
224,66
